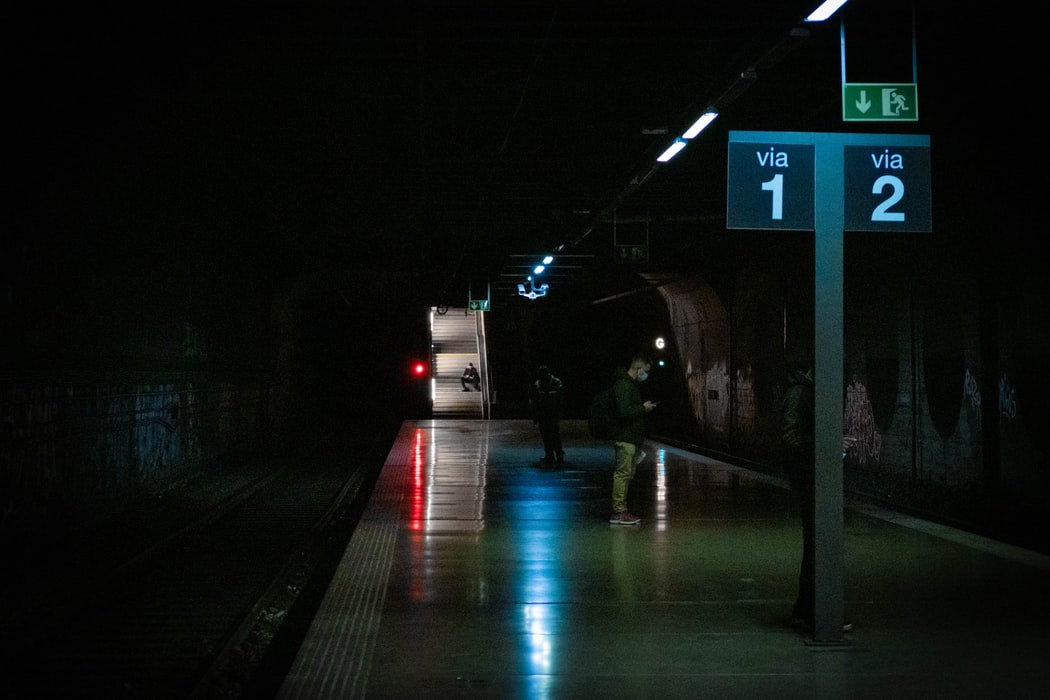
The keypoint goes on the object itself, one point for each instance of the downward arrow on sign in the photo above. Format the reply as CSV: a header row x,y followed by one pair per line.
x,y
863,104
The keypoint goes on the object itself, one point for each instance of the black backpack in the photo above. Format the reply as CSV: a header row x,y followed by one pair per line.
x,y
602,417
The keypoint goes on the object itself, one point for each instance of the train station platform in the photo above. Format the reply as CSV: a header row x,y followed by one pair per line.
x,y
477,572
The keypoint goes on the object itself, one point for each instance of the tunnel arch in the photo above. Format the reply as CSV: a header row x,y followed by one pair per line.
x,y
699,326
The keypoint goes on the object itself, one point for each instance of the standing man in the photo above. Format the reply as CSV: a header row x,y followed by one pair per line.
x,y
799,460
545,399
629,434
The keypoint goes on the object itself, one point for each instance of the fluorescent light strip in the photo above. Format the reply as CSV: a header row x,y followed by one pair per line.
x,y
826,9
670,153
700,124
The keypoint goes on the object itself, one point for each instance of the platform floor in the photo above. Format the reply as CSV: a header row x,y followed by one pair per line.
x,y
475,573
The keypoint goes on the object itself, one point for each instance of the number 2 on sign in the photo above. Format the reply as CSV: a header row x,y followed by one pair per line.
x,y
882,212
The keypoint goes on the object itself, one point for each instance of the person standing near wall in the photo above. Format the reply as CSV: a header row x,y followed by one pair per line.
x,y
629,435
546,397
799,463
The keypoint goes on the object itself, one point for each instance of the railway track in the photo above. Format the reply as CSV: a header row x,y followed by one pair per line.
x,y
185,600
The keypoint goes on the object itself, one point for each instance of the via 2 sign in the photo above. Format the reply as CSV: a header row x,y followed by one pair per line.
x,y
887,188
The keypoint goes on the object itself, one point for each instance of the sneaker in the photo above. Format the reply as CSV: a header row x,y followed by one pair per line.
x,y
624,518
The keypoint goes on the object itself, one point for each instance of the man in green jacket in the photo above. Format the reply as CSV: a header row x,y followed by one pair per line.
x,y
629,435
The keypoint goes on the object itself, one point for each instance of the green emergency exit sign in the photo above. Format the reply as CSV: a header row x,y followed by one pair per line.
x,y
880,102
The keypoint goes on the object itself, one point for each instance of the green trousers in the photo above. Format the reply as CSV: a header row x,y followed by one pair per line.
x,y
623,472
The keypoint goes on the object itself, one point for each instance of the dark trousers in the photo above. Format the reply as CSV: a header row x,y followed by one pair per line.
x,y
550,431
799,469
805,602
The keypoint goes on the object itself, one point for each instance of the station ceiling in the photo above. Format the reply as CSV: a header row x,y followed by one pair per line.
x,y
451,143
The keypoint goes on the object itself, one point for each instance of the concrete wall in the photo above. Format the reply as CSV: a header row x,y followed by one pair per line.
x,y
74,447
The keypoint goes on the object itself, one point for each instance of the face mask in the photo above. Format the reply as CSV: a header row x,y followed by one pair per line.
x,y
642,375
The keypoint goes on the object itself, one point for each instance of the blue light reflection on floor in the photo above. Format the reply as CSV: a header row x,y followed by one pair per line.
x,y
542,586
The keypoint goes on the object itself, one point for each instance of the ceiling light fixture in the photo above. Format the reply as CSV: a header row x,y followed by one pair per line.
x,y
700,124
672,151
826,10
533,292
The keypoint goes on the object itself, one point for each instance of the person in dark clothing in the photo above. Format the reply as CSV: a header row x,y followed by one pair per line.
x,y
546,397
798,461
471,377
629,435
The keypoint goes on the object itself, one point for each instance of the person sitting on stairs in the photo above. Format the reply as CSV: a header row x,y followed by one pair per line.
x,y
471,377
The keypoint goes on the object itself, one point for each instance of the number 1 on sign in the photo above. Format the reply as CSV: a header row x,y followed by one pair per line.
x,y
776,186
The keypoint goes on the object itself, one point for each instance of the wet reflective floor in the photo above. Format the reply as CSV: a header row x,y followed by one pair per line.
x,y
477,572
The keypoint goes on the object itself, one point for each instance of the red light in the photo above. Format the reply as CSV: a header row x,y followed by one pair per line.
x,y
419,369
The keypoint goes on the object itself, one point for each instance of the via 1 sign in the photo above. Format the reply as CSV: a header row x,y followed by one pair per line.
x,y
883,180
770,186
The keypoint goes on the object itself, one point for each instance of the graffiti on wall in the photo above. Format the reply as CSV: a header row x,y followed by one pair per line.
x,y
859,422
1007,400
154,429
718,397
714,398
973,393
64,442
709,395
744,398
697,391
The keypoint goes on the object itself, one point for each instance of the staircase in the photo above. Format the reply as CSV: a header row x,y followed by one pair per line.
x,y
456,338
